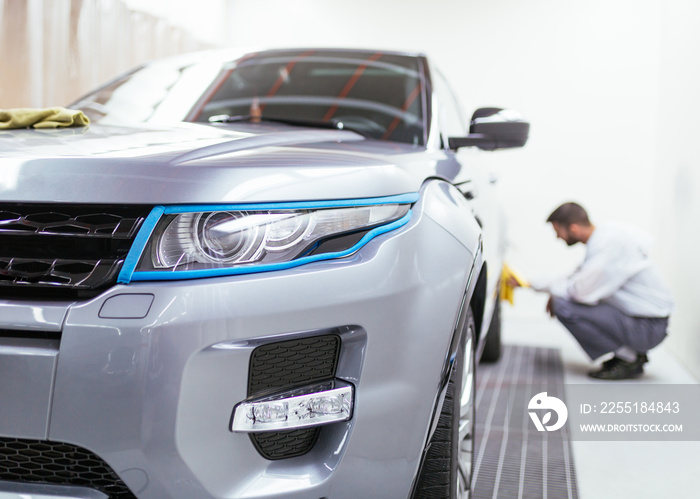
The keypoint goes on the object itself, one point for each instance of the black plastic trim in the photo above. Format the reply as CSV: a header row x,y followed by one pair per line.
x,y
264,376
58,463
31,334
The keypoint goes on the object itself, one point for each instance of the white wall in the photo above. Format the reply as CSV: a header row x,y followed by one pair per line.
x,y
205,19
677,181
588,77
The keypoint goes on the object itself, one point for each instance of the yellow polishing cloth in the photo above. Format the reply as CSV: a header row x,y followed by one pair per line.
x,y
507,290
51,117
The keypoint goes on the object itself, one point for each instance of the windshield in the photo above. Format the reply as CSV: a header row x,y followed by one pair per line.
x,y
379,94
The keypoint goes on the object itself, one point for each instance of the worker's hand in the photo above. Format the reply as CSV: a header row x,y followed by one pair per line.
x,y
512,282
550,306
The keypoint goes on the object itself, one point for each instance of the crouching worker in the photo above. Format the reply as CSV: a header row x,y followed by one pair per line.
x,y
615,302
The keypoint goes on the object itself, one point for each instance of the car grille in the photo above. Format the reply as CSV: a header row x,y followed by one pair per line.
x,y
283,365
66,251
56,463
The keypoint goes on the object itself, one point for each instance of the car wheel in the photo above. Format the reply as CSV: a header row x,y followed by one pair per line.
x,y
448,465
492,348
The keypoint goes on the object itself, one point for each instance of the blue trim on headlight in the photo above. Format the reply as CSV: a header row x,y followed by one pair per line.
x,y
134,255
229,271
294,205
128,272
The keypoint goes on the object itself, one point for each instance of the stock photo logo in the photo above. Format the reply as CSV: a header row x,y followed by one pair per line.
x,y
541,402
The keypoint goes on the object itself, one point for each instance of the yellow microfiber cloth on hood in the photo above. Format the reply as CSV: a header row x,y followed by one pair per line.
x,y
50,117
507,290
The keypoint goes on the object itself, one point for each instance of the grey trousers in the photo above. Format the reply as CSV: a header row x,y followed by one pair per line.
x,y
602,328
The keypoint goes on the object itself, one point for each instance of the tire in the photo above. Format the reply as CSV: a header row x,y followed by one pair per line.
x,y
492,349
449,461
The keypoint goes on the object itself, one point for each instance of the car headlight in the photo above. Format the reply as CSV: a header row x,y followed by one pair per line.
x,y
183,243
229,238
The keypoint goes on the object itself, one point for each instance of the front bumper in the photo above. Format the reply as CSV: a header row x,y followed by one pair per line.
x,y
146,376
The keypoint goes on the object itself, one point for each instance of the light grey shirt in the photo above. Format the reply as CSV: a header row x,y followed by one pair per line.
x,y
617,270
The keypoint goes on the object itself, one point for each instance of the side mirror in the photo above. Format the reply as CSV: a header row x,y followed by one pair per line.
x,y
494,128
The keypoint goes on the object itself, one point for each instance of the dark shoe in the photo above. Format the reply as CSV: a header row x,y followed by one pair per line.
x,y
617,368
611,362
641,360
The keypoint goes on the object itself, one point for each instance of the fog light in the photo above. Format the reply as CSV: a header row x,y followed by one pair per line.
x,y
312,405
271,412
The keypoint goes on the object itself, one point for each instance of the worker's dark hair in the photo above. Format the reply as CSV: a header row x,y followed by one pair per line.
x,y
570,213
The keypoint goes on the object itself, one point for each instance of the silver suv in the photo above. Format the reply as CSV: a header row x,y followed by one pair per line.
x,y
261,275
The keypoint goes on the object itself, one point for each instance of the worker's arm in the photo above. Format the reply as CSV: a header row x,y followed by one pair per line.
x,y
599,277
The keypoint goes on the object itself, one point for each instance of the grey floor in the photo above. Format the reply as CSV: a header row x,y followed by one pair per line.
x,y
513,460
621,469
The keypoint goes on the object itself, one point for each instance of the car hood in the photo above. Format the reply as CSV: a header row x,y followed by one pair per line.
x,y
192,163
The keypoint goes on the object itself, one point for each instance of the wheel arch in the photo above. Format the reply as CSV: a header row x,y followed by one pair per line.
x,y
475,293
